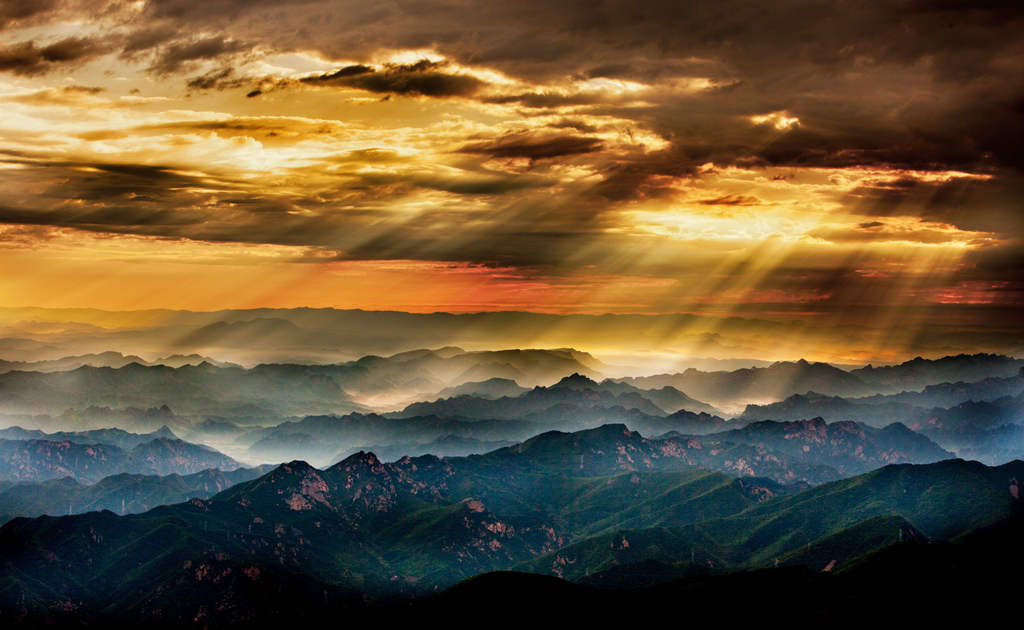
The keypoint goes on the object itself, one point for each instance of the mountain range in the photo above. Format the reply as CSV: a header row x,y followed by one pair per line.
x,y
106,359
905,406
569,504
124,493
783,379
38,460
129,493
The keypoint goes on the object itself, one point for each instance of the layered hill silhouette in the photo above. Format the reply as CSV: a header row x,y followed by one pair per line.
x,y
498,475
278,389
838,521
783,379
202,388
114,437
124,493
905,406
470,423
574,390
909,582
93,417
106,359
988,423
495,387
568,504
39,460
210,387
850,448
805,452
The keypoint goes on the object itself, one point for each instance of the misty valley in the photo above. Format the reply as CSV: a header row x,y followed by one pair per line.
x,y
188,490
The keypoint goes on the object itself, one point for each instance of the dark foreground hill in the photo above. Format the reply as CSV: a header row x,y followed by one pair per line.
x,y
299,541
972,582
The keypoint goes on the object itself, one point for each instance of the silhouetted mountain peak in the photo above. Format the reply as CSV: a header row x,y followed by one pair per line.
x,y
296,484
610,447
605,432
164,432
576,381
610,430
358,463
296,466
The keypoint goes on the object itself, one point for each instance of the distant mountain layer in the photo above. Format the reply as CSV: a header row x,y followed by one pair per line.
x,y
106,359
768,383
987,426
850,448
320,439
535,401
124,493
190,389
576,390
919,373
806,451
275,389
38,460
568,504
114,437
882,409
479,384
784,379
444,446
323,438
492,388
668,399
75,420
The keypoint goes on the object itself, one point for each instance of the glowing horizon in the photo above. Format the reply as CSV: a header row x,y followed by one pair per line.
x,y
222,155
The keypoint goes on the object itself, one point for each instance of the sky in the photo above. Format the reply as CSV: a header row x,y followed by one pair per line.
x,y
856,164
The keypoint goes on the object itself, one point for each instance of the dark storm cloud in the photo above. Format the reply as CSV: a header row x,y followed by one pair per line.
x,y
1003,262
176,55
163,202
578,125
16,10
220,79
423,78
266,129
985,205
145,39
217,9
649,176
917,85
846,70
130,199
731,200
546,100
28,58
397,184
610,38
341,73
534,146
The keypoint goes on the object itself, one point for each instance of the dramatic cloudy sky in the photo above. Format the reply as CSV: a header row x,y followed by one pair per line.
x,y
847,161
